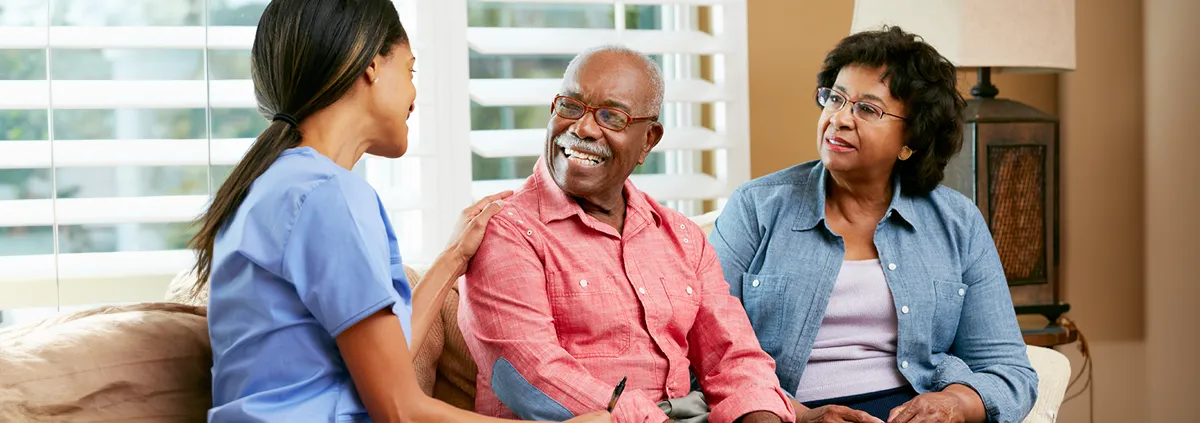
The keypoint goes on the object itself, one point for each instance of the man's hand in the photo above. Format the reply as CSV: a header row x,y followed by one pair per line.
x,y
760,417
836,414
955,404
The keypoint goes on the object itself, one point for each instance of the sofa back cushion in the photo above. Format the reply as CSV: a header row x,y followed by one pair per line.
x,y
146,362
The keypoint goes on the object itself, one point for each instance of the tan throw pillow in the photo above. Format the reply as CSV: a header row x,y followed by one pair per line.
x,y
146,362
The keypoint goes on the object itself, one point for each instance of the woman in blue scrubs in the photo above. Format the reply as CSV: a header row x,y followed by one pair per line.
x,y
309,309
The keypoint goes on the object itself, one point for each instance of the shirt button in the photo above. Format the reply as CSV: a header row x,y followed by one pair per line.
x,y
755,283
530,233
685,240
689,290
510,213
891,266
642,290
962,292
583,283
904,365
904,309
682,227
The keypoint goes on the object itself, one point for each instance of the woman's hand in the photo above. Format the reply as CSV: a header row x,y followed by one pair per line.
x,y
836,414
593,417
955,404
468,234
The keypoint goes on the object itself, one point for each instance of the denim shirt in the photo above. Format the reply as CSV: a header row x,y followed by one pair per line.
x,y
956,319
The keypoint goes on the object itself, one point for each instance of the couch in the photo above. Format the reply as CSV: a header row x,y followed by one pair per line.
x,y
150,362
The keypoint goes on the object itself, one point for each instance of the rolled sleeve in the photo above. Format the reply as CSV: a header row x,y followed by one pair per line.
x,y
988,342
736,375
338,257
735,238
506,316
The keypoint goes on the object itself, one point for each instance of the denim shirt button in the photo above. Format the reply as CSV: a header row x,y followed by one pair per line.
x,y
755,283
904,309
962,292
904,365
891,266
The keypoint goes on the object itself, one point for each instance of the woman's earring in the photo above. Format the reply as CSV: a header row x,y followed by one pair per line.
x,y
376,80
905,153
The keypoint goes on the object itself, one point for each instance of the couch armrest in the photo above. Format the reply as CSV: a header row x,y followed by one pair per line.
x,y
1054,373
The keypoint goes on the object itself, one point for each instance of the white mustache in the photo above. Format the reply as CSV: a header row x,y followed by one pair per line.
x,y
566,140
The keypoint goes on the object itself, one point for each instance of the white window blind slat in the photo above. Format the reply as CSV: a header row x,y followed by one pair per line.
x,y
662,187
564,41
142,152
128,37
112,94
627,2
540,92
531,142
105,153
116,210
89,278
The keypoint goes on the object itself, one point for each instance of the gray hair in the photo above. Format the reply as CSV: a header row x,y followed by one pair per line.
x,y
653,72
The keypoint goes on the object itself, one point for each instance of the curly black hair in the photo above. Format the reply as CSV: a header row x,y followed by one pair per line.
x,y
925,81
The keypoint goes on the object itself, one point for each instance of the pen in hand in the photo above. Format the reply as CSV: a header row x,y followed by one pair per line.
x,y
612,403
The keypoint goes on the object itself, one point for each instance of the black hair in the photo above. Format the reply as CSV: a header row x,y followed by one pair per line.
x,y
926,82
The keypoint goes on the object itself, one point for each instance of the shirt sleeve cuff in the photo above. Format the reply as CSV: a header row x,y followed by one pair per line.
x,y
772,400
988,392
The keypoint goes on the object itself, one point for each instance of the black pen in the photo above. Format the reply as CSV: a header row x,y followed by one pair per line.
x,y
612,403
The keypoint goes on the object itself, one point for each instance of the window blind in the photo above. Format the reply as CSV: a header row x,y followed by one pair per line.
x,y
118,121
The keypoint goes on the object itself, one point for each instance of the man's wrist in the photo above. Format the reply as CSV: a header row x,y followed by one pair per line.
x,y
760,417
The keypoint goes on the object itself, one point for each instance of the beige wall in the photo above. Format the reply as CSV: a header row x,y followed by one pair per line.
x,y
1109,175
1101,106
1172,58
788,40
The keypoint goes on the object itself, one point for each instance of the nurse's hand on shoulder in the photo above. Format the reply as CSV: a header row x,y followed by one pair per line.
x,y
593,417
468,234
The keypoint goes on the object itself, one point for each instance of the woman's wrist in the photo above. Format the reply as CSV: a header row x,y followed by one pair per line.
x,y
454,261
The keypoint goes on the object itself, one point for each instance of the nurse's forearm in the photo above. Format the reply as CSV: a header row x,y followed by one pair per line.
x,y
430,293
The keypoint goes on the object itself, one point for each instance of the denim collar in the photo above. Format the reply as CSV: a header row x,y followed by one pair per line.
x,y
812,202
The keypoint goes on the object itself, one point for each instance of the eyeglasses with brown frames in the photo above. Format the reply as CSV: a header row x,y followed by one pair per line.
x,y
608,117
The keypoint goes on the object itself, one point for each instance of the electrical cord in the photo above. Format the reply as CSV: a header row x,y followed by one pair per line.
x,y
1086,369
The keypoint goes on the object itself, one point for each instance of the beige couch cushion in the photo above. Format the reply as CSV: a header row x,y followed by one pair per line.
x,y
138,363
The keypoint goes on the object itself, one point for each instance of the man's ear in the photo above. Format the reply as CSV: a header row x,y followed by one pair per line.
x,y
654,134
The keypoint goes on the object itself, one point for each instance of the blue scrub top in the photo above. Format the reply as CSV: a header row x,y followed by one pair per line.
x,y
309,253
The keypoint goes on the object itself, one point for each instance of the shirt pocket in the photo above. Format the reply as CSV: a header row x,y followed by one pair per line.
x,y
948,304
591,315
765,298
684,294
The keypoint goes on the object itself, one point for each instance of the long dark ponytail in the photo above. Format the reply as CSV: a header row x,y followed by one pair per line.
x,y
307,54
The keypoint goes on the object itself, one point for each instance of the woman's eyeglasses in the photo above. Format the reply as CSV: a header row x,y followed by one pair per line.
x,y
833,101
608,117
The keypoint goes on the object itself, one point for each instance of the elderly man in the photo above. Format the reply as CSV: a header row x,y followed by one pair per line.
x,y
583,280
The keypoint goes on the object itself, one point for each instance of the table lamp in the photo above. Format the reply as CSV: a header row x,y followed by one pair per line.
x,y
1010,157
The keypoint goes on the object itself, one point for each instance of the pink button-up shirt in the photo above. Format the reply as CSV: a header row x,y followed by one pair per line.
x,y
574,306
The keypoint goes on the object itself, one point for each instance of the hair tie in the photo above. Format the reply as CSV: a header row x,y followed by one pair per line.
x,y
286,118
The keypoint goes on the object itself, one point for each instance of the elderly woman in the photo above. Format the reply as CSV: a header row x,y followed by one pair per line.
x,y
878,292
